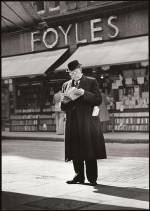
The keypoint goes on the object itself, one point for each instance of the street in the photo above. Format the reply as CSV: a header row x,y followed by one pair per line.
x,y
51,150
34,177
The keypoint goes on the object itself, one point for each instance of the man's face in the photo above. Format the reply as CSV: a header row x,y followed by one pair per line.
x,y
75,74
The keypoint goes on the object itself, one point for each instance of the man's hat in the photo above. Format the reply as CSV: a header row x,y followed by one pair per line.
x,y
73,65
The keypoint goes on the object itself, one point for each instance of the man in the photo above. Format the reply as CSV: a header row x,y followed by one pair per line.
x,y
84,140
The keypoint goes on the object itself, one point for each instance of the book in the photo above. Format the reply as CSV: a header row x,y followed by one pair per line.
x,y
71,95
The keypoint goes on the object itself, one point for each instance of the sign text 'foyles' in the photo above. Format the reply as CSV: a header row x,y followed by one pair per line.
x,y
50,37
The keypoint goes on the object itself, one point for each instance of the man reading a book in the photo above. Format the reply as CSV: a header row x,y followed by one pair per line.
x,y
84,140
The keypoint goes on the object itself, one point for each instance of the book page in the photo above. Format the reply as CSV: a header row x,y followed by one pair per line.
x,y
72,93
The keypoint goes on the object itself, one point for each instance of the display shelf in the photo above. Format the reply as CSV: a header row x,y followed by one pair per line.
x,y
129,121
51,128
22,111
31,122
22,128
47,122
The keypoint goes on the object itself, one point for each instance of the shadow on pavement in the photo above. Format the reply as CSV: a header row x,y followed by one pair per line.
x,y
47,150
125,192
17,201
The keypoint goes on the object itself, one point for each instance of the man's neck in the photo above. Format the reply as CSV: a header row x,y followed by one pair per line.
x,y
79,77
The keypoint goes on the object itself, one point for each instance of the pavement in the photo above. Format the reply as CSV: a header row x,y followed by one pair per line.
x,y
38,184
30,183
110,137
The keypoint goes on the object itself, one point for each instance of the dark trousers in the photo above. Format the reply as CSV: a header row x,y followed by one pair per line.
x,y
91,169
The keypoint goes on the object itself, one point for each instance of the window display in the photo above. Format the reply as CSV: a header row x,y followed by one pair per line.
x,y
27,98
35,107
127,90
128,99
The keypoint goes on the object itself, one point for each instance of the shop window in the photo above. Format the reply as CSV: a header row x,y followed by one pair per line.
x,y
5,102
71,5
28,97
39,6
54,6
48,95
126,89
81,4
57,3
93,3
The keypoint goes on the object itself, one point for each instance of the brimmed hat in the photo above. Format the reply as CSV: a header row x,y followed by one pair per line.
x,y
73,65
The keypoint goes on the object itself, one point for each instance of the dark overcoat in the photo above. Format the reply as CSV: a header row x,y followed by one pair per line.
x,y
84,139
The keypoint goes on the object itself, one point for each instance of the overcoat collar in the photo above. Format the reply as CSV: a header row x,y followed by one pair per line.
x,y
81,84
82,81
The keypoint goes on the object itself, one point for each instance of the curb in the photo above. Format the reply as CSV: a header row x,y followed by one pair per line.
x,y
33,138
123,141
128,141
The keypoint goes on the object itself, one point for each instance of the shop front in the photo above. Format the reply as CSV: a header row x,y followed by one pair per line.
x,y
28,91
112,47
121,68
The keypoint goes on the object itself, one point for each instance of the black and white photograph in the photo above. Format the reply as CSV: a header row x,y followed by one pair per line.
x,y
75,105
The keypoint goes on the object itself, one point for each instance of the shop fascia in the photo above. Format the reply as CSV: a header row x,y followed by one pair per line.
x,y
66,33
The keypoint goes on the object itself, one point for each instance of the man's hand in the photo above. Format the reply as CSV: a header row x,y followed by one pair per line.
x,y
65,99
68,97
80,91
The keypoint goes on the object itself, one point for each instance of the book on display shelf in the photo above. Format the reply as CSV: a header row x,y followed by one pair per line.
x,y
31,122
127,121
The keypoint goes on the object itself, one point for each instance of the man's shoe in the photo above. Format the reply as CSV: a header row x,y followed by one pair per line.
x,y
93,183
75,181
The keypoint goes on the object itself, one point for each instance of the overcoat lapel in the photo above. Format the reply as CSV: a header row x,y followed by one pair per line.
x,y
82,82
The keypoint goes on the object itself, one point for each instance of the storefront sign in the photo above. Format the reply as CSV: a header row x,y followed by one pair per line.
x,y
51,37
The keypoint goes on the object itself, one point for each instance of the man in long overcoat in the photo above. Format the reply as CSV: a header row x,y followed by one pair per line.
x,y
84,139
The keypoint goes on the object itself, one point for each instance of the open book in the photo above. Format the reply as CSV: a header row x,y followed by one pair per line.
x,y
71,94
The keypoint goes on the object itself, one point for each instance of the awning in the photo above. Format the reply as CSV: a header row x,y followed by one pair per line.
x,y
110,53
30,64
